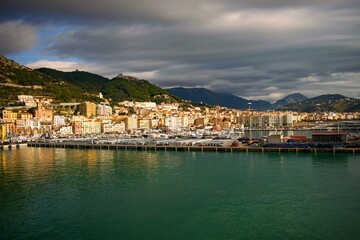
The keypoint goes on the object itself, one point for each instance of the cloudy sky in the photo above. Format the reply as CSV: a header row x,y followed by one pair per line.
x,y
257,49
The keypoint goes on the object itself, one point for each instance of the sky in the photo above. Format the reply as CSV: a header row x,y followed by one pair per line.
x,y
256,49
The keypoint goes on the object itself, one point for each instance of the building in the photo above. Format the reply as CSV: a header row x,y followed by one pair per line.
x,y
8,116
329,137
77,128
144,123
275,138
88,109
90,127
103,110
119,127
66,130
131,122
26,116
43,114
146,105
28,100
59,120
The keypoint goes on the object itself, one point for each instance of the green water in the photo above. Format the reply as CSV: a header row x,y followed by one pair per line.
x,y
108,194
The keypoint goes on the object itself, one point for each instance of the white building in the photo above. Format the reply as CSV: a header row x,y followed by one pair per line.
x,y
146,105
65,130
103,110
59,120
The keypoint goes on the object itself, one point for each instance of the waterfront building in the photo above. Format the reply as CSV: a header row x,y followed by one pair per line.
x,y
91,127
329,137
172,122
77,128
275,138
8,116
66,130
106,126
143,123
256,121
288,120
9,128
268,120
184,121
154,122
59,120
131,122
119,127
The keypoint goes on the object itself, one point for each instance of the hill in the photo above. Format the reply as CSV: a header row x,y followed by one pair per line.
x,y
120,88
325,103
214,98
85,80
292,98
16,79
123,88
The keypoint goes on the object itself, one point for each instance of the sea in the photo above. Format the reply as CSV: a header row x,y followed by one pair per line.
x,y
55,193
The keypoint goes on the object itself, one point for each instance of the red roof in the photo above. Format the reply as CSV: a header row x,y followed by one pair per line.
x,y
329,133
298,137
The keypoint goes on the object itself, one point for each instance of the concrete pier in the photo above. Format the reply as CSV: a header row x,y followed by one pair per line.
x,y
12,146
192,148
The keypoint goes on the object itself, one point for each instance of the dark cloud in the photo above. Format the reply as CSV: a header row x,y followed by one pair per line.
x,y
16,36
251,48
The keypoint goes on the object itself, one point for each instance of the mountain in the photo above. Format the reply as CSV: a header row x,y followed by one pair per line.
x,y
78,86
123,88
324,103
292,98
85,80
214,98
16,79
120,88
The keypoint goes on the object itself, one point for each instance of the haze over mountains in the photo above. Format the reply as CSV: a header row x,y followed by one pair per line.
x,y
231,101
16,79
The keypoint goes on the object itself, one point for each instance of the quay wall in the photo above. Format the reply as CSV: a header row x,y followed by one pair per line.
x,y
191,148
11,146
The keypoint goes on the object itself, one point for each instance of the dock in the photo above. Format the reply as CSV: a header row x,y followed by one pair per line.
x,y
11,146
80,145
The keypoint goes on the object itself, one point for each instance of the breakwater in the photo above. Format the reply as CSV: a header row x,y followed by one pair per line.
x,y
241,148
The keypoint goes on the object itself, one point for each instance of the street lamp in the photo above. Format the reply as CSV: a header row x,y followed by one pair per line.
x,y
249,109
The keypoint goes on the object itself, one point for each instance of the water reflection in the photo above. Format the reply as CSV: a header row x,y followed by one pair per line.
x,y
331,158
3,161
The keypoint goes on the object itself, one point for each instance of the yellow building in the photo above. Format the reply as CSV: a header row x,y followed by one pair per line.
x,y
43,114
90,127
26,116
131,122
144,123
88,109
8,116
2,132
